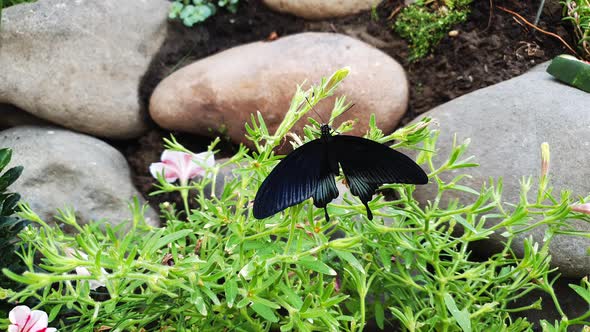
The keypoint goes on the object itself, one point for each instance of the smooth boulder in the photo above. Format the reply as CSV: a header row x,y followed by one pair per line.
x,y
63,169
506,124
221,92
78,64
312,9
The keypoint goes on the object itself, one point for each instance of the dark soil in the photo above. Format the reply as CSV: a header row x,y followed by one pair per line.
x,y
490,47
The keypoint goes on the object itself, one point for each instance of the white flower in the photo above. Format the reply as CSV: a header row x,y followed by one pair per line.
x,y
82,271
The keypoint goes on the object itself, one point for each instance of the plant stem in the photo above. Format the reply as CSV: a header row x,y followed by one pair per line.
x,y
184,195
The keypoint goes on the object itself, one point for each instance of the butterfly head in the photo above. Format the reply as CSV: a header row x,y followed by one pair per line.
x,y
326,130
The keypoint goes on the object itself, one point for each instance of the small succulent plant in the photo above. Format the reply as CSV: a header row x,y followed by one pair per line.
x,y
197,11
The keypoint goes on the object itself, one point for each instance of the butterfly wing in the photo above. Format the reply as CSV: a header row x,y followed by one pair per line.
x,y
292,181
367,165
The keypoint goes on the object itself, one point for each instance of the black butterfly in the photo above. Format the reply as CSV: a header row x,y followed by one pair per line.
x,y
309,171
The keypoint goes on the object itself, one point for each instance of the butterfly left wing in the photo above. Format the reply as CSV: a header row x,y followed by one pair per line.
x,y
367,165
291,182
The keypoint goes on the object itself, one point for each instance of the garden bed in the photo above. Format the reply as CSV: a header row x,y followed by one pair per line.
x,y
490,47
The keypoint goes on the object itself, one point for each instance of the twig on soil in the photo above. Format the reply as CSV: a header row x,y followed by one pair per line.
x,y
539,29
520,23
394,12
490,16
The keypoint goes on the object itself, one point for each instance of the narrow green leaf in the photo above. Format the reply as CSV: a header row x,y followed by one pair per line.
x,y
291,296
270,280
9,177
316,265
268,303
54,312
5,155
242,303
404,318
334,300
170,238
385,258
109,306
210,294
461,316
465,189
264,311
548,327
464,165
314,313
200,305
583,292
331,322
288,326
307,302
301,327
464,223
231,291
350,259
379,315
8,204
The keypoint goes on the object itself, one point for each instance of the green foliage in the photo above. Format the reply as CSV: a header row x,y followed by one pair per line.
x,y
425,23
8,3
217,268
197,11
578,13
10,226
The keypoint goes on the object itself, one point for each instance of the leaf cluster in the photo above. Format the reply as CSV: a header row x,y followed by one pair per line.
x,y
10,225
217,268
8,3
424,23
197,11
577,12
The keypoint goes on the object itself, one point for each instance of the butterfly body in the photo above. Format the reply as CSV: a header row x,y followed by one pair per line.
x,y
310,171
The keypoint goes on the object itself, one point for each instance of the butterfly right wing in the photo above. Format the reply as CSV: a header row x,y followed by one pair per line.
x,y
367,165
292,181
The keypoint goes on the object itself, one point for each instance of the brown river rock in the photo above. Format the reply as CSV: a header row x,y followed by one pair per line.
x,y
220,92
313,9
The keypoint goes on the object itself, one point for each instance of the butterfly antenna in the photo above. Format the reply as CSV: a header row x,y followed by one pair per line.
x,y
346,110
318,114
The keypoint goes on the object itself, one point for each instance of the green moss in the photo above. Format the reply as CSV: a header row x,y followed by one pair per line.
x,y
424,25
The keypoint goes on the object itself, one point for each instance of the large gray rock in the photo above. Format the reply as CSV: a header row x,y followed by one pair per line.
x,y
79,63
221,92
314,9
507,123
66,169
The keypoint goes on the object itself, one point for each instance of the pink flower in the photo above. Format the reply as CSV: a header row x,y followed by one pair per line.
x,y
22,319
182,166
582,208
